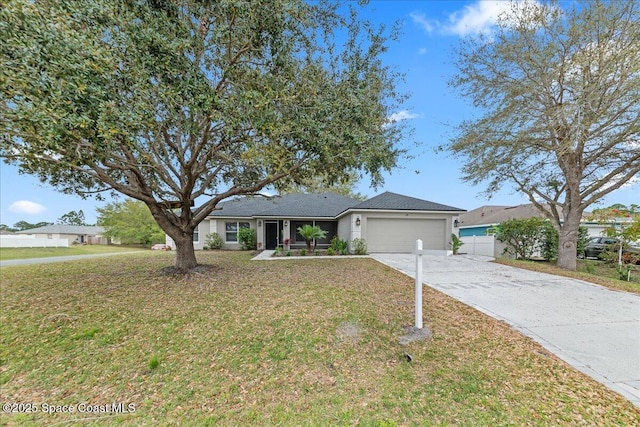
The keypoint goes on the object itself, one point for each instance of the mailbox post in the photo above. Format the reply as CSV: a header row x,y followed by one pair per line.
x,y
419,252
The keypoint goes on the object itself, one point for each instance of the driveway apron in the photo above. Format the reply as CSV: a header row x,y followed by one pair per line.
x,y
594,329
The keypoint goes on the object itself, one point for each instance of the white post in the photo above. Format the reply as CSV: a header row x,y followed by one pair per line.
x,y
419,284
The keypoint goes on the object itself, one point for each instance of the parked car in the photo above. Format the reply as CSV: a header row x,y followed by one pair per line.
x,y
597,245
160,247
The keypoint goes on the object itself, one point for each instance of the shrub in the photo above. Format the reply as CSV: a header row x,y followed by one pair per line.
x,y
522,236
214,241
331,251
339,246
247,238
311,233
359,246
549,241
456,243
526,236
303,252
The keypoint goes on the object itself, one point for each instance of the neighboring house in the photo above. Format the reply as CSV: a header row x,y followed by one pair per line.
x,y
481,221
89,234
476,227
388,222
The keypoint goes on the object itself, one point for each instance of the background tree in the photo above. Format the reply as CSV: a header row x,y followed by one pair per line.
x,y
559,97
24,225
169,102
130,222
319,184
622,221
72,218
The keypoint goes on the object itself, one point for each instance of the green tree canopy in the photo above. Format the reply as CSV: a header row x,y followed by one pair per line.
x,y
130,222
168,102
72,218
320,184
558,94
622,221
24,225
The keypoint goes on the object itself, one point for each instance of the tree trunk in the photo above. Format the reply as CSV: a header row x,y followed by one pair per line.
x,y
185,253
568,240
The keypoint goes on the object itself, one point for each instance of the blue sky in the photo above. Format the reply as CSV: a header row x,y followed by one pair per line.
x,y
430,30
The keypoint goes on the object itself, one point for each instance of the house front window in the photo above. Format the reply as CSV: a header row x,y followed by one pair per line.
x,y
196,236
232,228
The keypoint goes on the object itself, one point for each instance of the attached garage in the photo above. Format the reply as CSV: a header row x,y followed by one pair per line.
x,y
400,234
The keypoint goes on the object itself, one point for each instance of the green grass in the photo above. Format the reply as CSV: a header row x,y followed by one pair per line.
x,y
594,271
289,342
21,253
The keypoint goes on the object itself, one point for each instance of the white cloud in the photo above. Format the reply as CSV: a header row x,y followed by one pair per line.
x,y
480,17
421,20
477,18
26,207
632,182
402,115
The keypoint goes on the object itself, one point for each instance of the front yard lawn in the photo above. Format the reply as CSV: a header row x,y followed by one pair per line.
x,y
295,342
21,253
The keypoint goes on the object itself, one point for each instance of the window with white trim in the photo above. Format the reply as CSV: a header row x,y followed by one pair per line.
x,y
231,230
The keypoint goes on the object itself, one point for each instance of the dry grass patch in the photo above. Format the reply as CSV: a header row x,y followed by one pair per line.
x,y
295,342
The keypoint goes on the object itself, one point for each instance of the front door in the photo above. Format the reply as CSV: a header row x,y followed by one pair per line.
x,y
270,235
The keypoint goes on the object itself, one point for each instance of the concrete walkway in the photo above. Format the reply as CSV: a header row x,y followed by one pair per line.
x,y
592,328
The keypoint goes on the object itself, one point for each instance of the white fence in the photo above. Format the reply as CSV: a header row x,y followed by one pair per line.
x,y
479,245
12,241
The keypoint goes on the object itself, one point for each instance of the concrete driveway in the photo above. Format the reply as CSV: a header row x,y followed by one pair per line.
x,y
592,328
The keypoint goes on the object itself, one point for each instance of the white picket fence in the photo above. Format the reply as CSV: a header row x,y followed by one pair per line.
x,y
19,241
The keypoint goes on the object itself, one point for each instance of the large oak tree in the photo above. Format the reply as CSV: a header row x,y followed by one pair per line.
x,y
172,101
558,95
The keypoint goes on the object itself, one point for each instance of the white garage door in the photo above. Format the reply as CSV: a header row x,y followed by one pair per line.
x,y
399,235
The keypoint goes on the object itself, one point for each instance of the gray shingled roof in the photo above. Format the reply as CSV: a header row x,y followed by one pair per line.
x,y
324,205
64,229
498,214
393,201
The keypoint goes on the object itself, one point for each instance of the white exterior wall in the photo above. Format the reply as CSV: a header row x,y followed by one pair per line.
x,y
213,226
344,228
